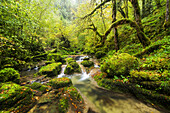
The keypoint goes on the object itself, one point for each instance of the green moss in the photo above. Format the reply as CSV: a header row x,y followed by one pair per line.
x,y
69,60
99,54
49,62
143,76
72,66
87,63
60,82
39,57
13,95
75,66
51,69
69,70
119,65
155,63
9,74
55,56
39,87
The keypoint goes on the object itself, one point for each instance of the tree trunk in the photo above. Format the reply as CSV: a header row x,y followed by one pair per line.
x,y
126,8
158,4
143,40
167,18
102,17
143,8
115,29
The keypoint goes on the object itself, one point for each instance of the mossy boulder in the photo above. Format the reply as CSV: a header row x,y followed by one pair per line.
x,y
136,76
60,82
69,70
87,63
9,74
51,69
14,96
39,87
99,54
69,60
119,65
72,66
86,58
54,56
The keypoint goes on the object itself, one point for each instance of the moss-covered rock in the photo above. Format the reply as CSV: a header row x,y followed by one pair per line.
x,y
86,58
99,54
69,60
69,70
119,65
40,87
51,69
14,96
143,76
9,74
87,63
162,87
72,66
54,56
60,82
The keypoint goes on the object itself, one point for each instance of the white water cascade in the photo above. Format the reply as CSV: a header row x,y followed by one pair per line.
x,y
62,71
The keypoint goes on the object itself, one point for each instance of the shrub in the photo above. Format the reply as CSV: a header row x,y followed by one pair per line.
x,y
54,56
51,69
119,65
136,76
99,54
60,82
9,74
155,63
87,63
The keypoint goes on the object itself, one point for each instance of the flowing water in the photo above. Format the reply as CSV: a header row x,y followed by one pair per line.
x,y
100,100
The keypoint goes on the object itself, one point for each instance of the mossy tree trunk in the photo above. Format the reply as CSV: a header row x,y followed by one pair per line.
x,y
167,18
143,8
158,3
115,29
145,41
137,15
126,8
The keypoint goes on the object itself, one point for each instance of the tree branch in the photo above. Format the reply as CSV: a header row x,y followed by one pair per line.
x,y
132,24
96,8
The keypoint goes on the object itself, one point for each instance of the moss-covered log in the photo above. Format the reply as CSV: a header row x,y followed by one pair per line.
x,y
145,40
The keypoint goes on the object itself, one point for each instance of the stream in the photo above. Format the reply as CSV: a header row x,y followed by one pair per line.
x,y
98,99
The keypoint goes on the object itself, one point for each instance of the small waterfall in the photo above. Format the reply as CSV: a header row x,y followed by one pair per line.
x,y
36,68
81,58
84,74
96,66
62,71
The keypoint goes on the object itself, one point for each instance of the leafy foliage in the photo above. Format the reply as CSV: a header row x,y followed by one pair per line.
x,y
9,74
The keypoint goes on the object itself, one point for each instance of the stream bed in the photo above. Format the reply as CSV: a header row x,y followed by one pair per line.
x,y
100,100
